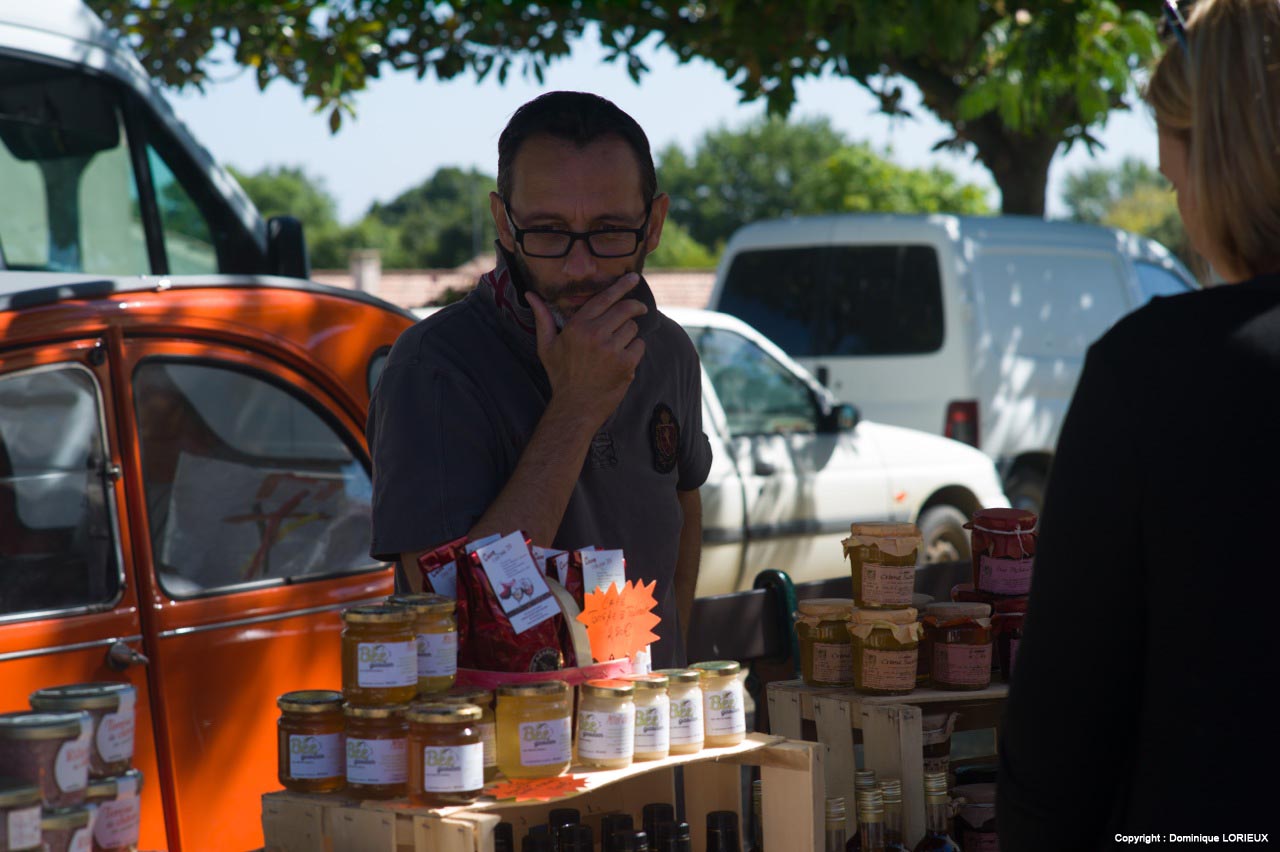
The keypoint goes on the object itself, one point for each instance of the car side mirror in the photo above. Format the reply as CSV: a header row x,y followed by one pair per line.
x,y
841,418
287,248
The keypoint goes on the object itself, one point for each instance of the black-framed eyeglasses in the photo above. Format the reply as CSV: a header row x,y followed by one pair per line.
x,y
1174,23
551,242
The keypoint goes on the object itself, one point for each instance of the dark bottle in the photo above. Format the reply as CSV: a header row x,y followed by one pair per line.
x,y
623,841
503,840
937,804
891,790
654,813
663,838
722,832
757,817
537,840
575,837
684,838
610,826
641,840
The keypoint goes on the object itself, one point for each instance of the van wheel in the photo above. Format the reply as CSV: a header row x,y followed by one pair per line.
x,y
945,538
1026,490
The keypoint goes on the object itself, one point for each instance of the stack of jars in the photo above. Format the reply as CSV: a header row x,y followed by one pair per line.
x,y
1004,549
70,781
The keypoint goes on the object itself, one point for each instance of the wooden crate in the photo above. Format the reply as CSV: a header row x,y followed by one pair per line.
x,y
891,727
791,772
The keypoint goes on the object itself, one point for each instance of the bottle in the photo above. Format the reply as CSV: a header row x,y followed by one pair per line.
x,y
871,820
575,837
653,814
684,840
537,840
757,816
640,841
503,839
664,838
937,812
891,790
863,779
837,831
722,832
560,817
611,825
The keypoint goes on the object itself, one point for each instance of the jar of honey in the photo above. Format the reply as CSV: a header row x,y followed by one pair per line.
x,y
1004,550
535,729
482,698
1006,624
377,751
379,656
436,633
882,558
722,703
684,689
311,755
606,724
653,716
885,645
446,757
826,654
957,638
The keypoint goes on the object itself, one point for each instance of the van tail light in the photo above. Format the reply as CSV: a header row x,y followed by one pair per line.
x,y
962,421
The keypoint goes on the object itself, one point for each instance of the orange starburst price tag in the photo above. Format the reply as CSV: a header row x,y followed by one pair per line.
x,y
620,622
538,789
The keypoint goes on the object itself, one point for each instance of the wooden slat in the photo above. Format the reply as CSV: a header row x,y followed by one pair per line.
x,y
835,723
893,746
794,797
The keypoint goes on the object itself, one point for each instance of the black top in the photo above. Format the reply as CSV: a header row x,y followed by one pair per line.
x,y
1138,700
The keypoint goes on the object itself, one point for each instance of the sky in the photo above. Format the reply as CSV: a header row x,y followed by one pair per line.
x,y
405,129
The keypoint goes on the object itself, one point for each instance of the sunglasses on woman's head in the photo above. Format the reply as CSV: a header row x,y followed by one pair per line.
x,y
1175,24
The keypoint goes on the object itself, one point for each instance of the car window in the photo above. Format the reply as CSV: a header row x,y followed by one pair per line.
x,y
57,540
245,481
188,242
1157,281
758,394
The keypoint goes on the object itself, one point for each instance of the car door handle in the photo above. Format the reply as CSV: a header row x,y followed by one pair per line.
x,y
764,468
120,657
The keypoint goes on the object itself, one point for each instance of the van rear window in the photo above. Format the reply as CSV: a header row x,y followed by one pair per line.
x,y
822,301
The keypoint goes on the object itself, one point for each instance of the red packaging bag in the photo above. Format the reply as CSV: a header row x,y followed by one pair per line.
x,y
439,568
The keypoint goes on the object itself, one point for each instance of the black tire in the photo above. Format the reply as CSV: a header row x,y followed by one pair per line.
x,y
1025,490
945,538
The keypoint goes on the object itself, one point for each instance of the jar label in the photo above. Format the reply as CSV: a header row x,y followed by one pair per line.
x,y
377,761
115,731
489,740
81,841
686,719
724,711
438,654
386,664
71,767
833,663
981,841
894,670
453,769
313,756
545,743
887,584
967,665
1005,576
24,828
117,822
941,763
606,736
653,726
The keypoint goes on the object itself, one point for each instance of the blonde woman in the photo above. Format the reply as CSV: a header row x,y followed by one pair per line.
x,y
1140,705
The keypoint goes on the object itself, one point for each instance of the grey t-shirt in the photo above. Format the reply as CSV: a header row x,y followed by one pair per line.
x,y
458,401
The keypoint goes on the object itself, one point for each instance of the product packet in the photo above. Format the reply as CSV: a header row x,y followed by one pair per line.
x,y
591,568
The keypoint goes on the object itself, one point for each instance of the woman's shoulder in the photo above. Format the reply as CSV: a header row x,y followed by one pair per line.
x,y
1198,319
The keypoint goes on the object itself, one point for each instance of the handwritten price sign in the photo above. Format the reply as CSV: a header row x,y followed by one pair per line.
x,y
619,621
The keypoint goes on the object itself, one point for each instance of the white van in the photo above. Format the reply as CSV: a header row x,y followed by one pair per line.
x,y
973,327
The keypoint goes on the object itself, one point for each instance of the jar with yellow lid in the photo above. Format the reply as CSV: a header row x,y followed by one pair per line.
x,y
446,757
110,706
882,558
482,698
50,750
117,819
606,724
379,656
535,729
20,816
826,654
310,733
722,703
436,633
684,689
958,640
67,830
377,750
653,716
885,646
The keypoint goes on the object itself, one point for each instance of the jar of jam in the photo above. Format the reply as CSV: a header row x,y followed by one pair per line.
x,y
1004,550
935,736
377,750
722,703
826,654
19,817
684,689
446,757
535,729
111,711
975,821
885,645
482,698
49,750
882,558
957,638
118,819
67,830
437,640
311,753
653,716
379,656
606,724
1006,623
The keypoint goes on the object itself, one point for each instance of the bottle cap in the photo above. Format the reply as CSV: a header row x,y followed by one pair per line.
x,y
864,779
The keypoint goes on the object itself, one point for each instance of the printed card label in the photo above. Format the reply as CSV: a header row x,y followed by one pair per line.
x,y
24,828
453,769
938,764
81,841
473,546
316,756
833,663
606,736
117,822
489,739
444,579
653,726
384,664
521,589
545,557
888,584
545,743
71,767
889,669
981,841
965,665
602,568
686,720
437,654
114,738
377,761
559,568
1005,576
724,711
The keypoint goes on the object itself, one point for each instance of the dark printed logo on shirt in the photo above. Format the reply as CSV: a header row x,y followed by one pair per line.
x,y
664,438
602,454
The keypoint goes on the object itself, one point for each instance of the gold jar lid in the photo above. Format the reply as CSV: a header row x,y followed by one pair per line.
x,y
948,611
81,696
311,701
40,726
542,688
890,616
382,613
67,818
465,695
681,675
653,680
833,608
106,789
444,714
385,711
609,688
423,602
17,794
718,668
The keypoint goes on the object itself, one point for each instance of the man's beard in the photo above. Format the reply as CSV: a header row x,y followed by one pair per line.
x,y
551,293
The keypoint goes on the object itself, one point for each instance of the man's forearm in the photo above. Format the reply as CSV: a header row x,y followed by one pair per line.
x,y
688,559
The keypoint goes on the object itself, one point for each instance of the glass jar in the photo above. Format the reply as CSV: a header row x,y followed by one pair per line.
x,y
826,655
653,716
684,689
1004,551
67,830
446,757
117,820
50,750
482,698
436,633
975,820
377,750
935,736
606,724
111,711
885,645
957,638
722,704
19,817
1006,624
379,656
882,558
535,729
310,735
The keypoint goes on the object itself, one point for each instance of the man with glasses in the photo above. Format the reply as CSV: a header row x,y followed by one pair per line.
x,y
555,399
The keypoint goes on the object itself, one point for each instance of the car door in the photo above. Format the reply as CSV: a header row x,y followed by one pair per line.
x,y
255,536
